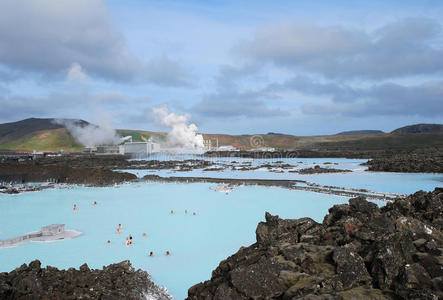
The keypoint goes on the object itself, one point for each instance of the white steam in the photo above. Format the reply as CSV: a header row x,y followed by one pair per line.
x,y
90,135
181,134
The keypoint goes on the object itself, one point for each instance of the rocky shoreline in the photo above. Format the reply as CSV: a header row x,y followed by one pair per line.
x,y
360,251
281,183
116,281
429,161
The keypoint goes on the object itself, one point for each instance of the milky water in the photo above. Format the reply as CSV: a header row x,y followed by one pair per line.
x,y
197,244
387,182
222,224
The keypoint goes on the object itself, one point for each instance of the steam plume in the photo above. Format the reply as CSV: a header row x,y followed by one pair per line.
x,y
90,135
181,134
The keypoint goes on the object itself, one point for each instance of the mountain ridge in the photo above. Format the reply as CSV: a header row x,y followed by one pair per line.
x,y
51,134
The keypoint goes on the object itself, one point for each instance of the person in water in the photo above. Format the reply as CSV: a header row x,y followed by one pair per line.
x,y
75,207
95,203
144,234
167,253
130,238
186,211
119,228
194,213
151,253
172,212
108,242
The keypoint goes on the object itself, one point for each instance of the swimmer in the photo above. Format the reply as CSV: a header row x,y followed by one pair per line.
x,y
194,214
172,212
95,203
151,254
127,242
75,207
108,242
167,253
130,237
144,234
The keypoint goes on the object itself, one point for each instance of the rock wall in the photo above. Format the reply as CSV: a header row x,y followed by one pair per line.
x,y
116,281
360,251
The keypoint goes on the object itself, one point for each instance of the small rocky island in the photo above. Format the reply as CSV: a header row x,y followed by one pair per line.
x,y
319,170
360,251
116,281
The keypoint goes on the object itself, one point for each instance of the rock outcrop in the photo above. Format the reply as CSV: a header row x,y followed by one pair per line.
x,y
360,251
85,169
62,174
318,170
419,161
116,281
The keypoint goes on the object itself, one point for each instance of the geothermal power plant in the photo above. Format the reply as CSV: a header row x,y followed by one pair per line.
x,y
127,147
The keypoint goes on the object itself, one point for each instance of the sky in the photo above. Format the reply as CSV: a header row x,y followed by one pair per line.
x,y
238,67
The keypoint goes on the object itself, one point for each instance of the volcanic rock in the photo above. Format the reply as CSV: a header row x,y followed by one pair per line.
x,y
360,251
116,281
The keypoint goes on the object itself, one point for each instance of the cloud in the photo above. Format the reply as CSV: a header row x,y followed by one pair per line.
x,y
387,99
250,104
340,92
46,37
231,99
406,47
76,104
166,72
76,72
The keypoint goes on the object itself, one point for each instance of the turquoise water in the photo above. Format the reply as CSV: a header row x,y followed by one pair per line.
x,y
402,183
197,243
222,224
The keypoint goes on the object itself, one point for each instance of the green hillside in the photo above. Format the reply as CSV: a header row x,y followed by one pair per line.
x,y
49,140
45,134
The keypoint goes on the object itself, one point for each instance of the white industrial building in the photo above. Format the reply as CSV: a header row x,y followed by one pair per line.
x,y
139,148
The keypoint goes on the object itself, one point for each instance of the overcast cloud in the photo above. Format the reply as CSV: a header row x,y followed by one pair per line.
x,y
405,47
247,66
50,37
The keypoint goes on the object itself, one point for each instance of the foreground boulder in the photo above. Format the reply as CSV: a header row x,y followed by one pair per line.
x,y
116,281
360,251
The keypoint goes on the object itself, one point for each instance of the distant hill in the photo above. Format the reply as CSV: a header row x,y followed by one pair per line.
x,y
45,134
359,132
51,135
37,134
420,128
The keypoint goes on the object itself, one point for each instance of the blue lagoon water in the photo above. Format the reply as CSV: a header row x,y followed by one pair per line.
x,y
387,182
222,223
